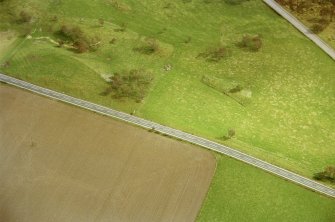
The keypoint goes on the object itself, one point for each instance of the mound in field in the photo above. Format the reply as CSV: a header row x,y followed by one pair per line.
x,y
61,163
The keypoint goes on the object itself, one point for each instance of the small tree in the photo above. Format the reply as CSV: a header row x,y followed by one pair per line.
x,y
81,46
151,46
327,174
317,28
215,54
25,16
330,172
253,43
60,43
231,133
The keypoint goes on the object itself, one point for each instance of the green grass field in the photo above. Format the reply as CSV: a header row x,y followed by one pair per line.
x,y
244,193
288,120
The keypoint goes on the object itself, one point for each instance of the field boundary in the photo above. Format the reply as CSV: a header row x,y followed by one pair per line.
x,y
298,179
301,27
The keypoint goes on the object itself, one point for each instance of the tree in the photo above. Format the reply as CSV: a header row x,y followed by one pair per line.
x,y
330,172
231,133
253,43
60,43
81,46
25,16
327,174
80,41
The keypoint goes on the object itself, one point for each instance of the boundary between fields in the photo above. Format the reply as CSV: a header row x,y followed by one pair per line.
x,y
308,183
301,27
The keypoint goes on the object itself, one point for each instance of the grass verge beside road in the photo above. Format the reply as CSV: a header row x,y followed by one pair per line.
x,y
243,193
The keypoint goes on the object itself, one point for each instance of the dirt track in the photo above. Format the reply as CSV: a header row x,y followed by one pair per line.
x,y
61,163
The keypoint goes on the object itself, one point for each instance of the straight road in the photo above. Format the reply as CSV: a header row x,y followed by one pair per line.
x,y
174,133
301,27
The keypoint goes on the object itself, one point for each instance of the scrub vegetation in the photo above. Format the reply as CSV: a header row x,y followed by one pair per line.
x,y
319,16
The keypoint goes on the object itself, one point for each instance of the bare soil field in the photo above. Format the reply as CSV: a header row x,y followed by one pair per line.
x,y
62,163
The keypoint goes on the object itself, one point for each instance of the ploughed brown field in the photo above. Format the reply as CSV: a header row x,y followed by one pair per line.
x,y
62,163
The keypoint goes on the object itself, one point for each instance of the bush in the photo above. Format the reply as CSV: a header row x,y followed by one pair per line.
x,y
215,55
81,46
25,17
79,40
151,46
319,27
252,43
319,176
231,133
133,84
327,174
72,33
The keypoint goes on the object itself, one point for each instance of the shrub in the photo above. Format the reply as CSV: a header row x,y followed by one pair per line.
x,y
231,133
81,42
319,176
133,84
252,43
25,17
81,46
327,174
215,55
112,41
319,26
151,46
72,33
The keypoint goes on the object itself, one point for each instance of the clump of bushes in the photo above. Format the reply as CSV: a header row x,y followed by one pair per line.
x,y
150,46
215,55
252,43
133,84
318,25
230,134
327,175
25,17
80,41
